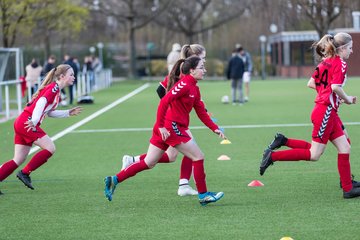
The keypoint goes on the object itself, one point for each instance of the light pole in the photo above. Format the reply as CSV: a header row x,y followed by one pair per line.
x,y
92,49
100,46
262,40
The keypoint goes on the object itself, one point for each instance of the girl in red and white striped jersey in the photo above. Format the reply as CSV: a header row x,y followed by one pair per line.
x,y
328,79
171,128
27,124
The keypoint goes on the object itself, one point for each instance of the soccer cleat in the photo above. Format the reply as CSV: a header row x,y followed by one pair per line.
x,y
25,178
127,161
279,140
209,197
186,190
354,192
110,185
355,184
266,161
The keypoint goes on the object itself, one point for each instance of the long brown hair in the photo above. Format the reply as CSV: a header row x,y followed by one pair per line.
x,y
52,76
182,66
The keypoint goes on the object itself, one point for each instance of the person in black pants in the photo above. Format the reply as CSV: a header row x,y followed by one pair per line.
x,y
70,61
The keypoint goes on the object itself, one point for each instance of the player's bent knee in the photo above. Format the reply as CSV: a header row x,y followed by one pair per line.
x,y
51,149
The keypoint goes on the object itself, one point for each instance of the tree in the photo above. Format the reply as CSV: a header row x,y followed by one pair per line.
x,y
63,17
321,13
15,15
198,16
135,14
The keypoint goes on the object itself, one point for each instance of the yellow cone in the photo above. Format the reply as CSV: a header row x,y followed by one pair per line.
x,y
225,141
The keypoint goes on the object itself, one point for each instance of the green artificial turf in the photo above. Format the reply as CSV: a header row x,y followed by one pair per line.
x,y
299,199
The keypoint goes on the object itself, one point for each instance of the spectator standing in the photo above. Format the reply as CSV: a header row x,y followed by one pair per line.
x,y
70,61
248,67
88,73
173,56
235,72
33,73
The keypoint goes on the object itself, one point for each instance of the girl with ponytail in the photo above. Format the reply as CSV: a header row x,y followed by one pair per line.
x,y
27,124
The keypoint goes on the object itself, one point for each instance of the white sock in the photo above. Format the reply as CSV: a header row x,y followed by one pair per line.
x,y
136,158
183,181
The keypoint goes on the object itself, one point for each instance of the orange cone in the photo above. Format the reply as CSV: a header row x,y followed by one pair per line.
x,y
255,183
223,158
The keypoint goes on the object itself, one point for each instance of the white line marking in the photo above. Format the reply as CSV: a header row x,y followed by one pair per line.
x,y
204,127
94,115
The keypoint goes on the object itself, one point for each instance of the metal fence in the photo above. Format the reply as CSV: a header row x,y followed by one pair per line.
x,y
87,83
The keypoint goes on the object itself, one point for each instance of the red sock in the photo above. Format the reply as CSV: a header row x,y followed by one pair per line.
x,y
345,171
296,143
291,155
186,168
7,168
131,170
164,158
38,159
199,175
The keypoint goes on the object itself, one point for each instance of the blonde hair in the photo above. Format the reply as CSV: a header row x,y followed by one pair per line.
x,y
52,76
190,50
328,45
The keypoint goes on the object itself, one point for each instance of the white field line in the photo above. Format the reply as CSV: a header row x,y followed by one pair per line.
x,y
204,127
94,115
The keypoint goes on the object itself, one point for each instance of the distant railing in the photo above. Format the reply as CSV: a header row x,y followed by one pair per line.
x,y
7,85
93,81
87,83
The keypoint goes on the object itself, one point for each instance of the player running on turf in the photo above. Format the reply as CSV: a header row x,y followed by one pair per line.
x,y
329,77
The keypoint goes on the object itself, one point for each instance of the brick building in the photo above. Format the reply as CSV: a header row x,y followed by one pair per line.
x,y
291,54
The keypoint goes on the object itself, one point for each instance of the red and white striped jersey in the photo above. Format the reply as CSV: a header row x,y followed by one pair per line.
x,y
52,94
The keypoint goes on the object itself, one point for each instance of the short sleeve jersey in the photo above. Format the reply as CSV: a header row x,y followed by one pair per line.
x,y
330,71
177,104
52,94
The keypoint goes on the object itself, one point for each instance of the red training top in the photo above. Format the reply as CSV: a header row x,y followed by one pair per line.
x,y
329,71
177,104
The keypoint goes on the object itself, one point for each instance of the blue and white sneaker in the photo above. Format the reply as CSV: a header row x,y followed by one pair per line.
x,y
110,185
209,197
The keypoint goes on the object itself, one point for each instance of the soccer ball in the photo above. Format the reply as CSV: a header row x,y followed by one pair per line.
x,y
225,99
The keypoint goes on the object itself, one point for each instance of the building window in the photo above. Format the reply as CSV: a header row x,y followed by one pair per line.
x,y
301,54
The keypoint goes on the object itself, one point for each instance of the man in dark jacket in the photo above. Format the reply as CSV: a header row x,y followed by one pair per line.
x,y
235,72
70,61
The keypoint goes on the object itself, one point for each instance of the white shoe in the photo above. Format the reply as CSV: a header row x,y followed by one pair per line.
x,y
186,190
127,161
